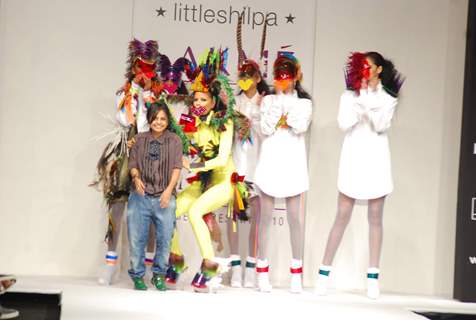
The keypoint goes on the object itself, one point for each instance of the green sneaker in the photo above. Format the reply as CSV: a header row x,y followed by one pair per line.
x,y
159,282
139,284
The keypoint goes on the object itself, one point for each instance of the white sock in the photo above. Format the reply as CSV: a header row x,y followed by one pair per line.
x,y
235,280
250,272
296,276
322,279
373,290
262,268
109,268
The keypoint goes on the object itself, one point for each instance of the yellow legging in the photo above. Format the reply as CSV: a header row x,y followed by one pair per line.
x,y
197,204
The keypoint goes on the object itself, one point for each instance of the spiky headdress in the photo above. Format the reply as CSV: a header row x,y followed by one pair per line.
x,y
208,77
169,71
355,71
357,68
148,51
287,65
247,65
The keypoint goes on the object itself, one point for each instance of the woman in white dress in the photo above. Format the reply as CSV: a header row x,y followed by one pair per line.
x,y
365,113
281,171
245,155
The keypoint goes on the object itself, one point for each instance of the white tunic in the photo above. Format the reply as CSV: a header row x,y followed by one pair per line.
x,y
282,164
245,153
365,169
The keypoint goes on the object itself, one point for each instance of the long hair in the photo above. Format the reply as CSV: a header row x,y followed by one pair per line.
x,y
390,78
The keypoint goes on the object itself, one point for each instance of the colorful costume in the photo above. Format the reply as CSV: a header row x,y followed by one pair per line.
x,y
216,184
113,175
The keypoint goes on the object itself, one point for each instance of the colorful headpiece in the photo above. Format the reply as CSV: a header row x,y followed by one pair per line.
x,y
246,64
145,54
173,72
211,63
286,68
356,69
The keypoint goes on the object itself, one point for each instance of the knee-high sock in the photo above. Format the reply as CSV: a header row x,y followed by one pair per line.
x,y
255,212
266,218
345,205
117,213
295,215
375,217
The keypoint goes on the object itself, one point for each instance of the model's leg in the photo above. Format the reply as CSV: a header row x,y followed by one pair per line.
x,y
110,267
295,215
345,205
233,240
262,265
250,267
375,217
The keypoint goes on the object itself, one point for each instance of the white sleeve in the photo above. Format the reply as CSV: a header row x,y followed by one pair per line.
x,y
381,117
270,115
349,111
300,115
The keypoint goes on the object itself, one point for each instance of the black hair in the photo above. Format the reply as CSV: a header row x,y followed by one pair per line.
x,y
262,87
390,78
154,109
182,89
214,91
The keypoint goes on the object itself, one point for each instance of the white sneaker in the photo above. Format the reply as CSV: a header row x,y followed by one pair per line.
x,y
235,280
107,274
296,283
263,282
250,277
373,290
214,284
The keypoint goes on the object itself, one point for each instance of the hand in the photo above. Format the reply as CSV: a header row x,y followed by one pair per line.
x,y
131,142
165,199
186,163
140,188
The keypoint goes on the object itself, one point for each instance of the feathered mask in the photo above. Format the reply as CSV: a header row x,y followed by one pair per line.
x,y
143,56
211,64
248,67
356,69
286,68
171,74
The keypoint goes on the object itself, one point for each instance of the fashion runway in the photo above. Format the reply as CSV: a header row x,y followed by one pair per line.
x,y
85,299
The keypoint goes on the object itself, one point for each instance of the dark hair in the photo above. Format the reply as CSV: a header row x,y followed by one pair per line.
x,y
182,89
154,109
262,87
391,79
214,91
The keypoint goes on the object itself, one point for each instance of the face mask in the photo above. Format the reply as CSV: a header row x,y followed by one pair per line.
x,y
148,69
245,84
198,111
170,87
282,85
366,71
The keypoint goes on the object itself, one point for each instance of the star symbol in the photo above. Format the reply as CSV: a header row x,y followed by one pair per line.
x,y
290,18
160,12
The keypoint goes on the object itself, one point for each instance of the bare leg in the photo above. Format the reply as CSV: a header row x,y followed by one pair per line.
x,y
262,268
295,215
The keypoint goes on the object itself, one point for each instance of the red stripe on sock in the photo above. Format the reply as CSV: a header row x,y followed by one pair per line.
x,y
260,270
296,270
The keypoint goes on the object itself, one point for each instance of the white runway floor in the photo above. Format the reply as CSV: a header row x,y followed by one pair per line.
x,y
84,299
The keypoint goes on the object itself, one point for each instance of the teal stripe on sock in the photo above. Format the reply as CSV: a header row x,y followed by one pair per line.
x,y
324,272
372,275
250,264
235,263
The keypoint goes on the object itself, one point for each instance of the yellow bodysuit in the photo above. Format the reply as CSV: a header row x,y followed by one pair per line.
x,y
220,190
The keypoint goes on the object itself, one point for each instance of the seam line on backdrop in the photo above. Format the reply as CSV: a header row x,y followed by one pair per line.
x,y
132,18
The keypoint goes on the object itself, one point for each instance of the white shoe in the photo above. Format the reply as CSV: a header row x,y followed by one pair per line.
x,y
235,280
250,277
263,282
373,290
107,274
214,284
296,283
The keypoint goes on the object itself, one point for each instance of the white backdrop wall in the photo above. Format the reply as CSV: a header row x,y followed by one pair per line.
x,y
61,62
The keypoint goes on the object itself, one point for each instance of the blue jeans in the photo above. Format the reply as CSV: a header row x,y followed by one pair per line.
x,y
141,211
